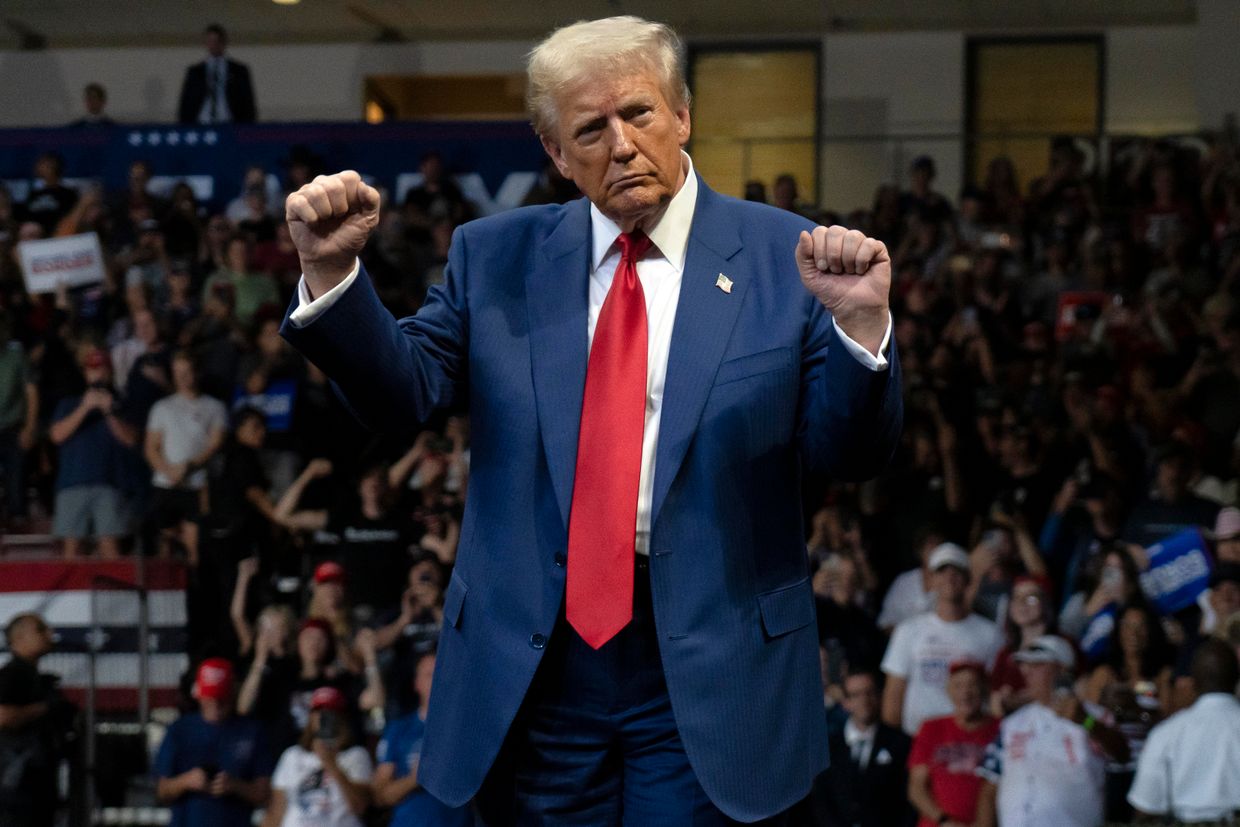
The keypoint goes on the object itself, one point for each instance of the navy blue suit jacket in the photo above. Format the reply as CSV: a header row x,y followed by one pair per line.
x,y
758,388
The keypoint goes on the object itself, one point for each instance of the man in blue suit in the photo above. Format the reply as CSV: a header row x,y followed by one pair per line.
x,y
629,631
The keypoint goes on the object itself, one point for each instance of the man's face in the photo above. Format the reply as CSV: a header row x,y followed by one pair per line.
x,y
214,43
94,102
1225,599
183,375
949,583
619,140
861,699
32,639
964,688
252,432
1040,678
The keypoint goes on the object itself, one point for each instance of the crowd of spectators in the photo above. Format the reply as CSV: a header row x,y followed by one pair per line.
x,y
992,649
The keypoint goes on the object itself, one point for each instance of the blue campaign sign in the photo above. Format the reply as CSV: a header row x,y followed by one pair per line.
x,y
1178,573
495,163
1096,638
275,402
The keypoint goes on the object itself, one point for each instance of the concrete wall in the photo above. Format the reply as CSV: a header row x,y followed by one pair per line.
x,y
300,82
887,97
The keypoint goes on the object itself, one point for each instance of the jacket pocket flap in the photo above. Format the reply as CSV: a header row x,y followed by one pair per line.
x,y
453,599
753,364
787,608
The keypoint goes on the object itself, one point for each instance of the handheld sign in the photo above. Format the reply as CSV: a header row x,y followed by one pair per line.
x,y
72,261
1179,571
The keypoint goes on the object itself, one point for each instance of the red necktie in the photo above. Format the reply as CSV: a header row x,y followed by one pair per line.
x,y
602,525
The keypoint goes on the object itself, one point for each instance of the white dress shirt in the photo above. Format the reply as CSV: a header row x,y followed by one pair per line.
x,y
860,742
217,75
1190,765
659,273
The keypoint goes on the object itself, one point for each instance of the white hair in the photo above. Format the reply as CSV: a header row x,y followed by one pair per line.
x,y
593,48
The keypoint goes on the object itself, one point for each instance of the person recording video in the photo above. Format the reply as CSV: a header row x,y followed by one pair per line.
x,y
325,777
213,766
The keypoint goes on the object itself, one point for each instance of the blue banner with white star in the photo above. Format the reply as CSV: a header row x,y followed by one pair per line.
x,y
495,163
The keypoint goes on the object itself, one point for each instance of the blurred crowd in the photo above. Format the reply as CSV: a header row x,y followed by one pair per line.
x,y
996,644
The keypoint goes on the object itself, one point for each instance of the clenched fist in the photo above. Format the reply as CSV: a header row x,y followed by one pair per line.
x,y
851,275
330,219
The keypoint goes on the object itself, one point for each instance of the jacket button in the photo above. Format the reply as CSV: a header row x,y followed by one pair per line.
x,y
561,559
537,641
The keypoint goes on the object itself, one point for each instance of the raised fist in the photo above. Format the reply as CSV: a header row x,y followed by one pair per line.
x,y
329,220
851,275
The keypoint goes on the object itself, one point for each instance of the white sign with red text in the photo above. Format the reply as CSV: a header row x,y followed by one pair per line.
x,y
71,260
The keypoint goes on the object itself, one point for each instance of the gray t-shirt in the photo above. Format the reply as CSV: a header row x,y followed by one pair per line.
x,y
186,426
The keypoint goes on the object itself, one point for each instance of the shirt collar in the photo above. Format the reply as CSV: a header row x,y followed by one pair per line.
x,y
854,734
670,235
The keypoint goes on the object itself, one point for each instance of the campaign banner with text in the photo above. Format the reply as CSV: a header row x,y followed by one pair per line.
x,y
1178,573
73,261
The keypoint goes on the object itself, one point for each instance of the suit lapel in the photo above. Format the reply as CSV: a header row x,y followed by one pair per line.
x,y
557,295
705,316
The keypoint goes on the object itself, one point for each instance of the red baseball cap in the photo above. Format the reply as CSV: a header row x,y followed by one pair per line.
x,y
329,572
97,358
328,697
967,663
214,679
1040,580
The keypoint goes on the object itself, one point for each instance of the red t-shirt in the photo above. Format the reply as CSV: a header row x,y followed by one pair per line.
x,y
952,754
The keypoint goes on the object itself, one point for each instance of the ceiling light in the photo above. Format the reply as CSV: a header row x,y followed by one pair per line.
x,y
286,2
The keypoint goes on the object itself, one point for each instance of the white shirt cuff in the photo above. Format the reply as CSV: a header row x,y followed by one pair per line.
x,y
875,363
309,309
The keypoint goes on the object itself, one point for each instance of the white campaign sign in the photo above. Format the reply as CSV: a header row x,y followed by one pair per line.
x,y
72,260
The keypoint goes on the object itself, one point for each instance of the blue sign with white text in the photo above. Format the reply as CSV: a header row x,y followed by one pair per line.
x,y
1178,573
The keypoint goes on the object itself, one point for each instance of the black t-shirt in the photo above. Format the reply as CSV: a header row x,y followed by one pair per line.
x,y
230,510
273,706
21,684
374,553
418,636
47,206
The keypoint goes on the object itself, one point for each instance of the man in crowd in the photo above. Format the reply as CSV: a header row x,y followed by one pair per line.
x,y
396,776
923,647
943,782
94,100
1189,768
94,441
50,200
213,768
1171,506
33,722
183,432
734,376
867,779
217,90
1048,764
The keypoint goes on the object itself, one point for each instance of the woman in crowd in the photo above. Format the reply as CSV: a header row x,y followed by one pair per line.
x,y
323,779
1029,616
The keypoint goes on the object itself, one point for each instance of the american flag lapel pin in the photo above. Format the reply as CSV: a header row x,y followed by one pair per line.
x,y
724,283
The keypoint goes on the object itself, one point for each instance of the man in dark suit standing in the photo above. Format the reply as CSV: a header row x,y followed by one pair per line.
x,y
218,90
648,372
867,783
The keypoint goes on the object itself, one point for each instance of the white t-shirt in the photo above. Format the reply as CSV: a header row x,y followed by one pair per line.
x,y
1190,765
921,650
186,425
907,597
1047,769
314,798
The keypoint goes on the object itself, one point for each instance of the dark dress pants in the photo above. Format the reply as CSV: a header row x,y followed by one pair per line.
x,y
595,743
